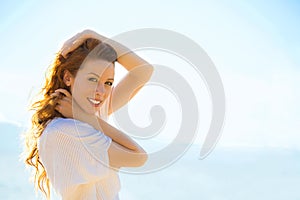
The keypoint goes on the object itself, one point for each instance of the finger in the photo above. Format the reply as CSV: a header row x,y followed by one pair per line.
x,y
66,100
71,46
89,34
64,91
58,107
54,94
74,43
77,40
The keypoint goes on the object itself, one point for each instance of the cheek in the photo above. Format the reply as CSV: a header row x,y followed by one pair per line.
x,y
108,92
78,90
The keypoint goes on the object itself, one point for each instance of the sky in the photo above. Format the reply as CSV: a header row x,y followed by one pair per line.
x,y
254,45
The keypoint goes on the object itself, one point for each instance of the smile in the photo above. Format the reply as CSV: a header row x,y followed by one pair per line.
x,y
94,101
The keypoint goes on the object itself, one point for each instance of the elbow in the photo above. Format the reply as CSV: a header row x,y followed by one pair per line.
x,y
145,72
142,158
149,71
142,74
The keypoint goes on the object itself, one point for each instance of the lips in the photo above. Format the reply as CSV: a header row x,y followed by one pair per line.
x,y
94,102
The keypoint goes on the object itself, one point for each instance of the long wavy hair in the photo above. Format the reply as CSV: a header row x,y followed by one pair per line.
x,y
44,108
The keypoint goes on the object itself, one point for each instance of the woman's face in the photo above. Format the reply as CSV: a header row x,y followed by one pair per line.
x,y
93,84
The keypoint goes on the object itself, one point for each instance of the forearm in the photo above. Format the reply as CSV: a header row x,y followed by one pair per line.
x,y
139,73
115,134
127,58
137,67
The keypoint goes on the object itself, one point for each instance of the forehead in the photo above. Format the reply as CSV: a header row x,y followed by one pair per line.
x,y
98,66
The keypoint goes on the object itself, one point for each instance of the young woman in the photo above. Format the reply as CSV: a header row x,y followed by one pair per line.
x,y
70,145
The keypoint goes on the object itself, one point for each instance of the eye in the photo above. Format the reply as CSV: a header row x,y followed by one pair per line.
x,y
109,83
93,80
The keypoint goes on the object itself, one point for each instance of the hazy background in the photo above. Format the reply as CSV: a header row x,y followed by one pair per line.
x,y
255,46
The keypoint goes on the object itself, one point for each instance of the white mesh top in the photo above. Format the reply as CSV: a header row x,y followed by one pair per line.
x,y
75,157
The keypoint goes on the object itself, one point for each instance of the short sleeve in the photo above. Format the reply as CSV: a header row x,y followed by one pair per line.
x,y
74,153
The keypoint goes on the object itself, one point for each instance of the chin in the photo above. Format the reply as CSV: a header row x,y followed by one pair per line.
x,y
93,111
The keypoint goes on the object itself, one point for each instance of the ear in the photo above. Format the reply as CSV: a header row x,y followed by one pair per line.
x,y
67,78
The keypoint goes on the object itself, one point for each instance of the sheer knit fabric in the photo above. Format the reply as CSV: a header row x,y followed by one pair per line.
x,y
76,160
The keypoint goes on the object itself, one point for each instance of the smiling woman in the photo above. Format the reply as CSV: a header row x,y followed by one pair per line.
x,y
70,145
93,83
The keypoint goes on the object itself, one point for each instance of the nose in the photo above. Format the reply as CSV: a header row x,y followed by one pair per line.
x,y
100,89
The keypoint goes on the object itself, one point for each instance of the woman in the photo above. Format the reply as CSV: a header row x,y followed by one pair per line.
x,y
70,145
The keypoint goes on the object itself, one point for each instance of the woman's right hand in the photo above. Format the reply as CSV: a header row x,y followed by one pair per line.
x,y
65,105
78,39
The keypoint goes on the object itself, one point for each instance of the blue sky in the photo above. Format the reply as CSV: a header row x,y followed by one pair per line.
x,y
254,44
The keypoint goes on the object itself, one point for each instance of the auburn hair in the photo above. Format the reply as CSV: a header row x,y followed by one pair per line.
x,y
44,108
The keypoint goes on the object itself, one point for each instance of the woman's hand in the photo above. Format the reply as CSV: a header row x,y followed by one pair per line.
x,y
65,105
77,40
69,108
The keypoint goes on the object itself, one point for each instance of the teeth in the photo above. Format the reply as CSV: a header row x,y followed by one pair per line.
x,y
94,101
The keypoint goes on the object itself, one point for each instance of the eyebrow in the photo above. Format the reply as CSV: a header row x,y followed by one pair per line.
x,y
99,77
94,74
